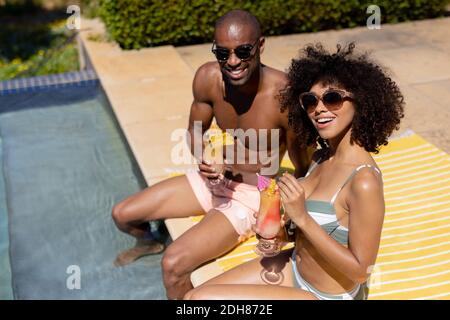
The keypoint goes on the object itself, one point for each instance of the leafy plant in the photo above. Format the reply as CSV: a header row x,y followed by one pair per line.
x,y
136,24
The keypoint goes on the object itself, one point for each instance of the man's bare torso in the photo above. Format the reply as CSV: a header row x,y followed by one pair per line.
x,y
233,110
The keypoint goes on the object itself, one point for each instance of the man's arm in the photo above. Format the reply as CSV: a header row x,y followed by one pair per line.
x,y
300,157
201,108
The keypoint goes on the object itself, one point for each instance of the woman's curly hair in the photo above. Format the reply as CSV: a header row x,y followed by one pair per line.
x,y
377,99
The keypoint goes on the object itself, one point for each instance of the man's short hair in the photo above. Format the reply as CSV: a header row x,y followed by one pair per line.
x,y
240,17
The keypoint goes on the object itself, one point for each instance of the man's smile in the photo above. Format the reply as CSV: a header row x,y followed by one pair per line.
x,y
236,74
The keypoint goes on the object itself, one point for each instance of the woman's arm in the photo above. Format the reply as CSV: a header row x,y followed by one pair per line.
x,y
365,221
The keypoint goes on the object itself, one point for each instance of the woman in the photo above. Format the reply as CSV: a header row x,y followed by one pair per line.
x,y
350,106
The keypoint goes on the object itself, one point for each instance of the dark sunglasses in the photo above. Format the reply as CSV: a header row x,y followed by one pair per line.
x,y
243,52
332,99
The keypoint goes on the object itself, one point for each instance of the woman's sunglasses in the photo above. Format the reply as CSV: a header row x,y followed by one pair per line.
x,y
243,52
332,99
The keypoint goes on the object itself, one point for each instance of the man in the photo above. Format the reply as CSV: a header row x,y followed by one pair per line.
x,y
240,93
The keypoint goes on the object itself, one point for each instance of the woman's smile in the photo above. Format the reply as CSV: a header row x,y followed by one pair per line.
x,y
323,122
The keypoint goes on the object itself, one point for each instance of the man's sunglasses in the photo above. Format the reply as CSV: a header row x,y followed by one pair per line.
x,y
332,99
243,52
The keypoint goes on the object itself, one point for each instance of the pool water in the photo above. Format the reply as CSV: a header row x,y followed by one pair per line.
x,y
64,165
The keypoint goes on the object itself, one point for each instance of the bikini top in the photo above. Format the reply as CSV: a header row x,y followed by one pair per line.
x,y
323,212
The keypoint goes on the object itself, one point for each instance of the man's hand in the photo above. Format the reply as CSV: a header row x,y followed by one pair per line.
x,y
207,170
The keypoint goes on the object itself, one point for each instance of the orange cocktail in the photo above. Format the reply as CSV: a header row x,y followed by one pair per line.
x,y
268,221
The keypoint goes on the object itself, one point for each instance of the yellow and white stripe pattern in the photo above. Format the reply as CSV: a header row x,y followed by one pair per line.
x,y
414,256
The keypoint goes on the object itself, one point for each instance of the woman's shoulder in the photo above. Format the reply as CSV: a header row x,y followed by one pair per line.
x,y
367,180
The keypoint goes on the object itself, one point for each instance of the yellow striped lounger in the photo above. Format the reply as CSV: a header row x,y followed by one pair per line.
x,y
414,257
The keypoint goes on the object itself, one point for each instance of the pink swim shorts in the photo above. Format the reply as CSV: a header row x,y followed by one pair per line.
x,y
237,201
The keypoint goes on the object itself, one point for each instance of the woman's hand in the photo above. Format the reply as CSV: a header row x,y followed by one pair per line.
x,y
293,198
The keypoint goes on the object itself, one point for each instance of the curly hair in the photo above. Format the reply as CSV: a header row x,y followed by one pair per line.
x,y
378,101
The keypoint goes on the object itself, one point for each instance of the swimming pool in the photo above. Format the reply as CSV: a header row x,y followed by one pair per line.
x,y
64,165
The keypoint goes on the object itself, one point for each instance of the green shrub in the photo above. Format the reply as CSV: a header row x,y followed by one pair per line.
x,y
142,23
36,49
90,8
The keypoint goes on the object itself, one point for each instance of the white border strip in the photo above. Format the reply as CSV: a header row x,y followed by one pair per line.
x,y
426,266
429,213
414,232
394,153
418,201
417,223
431,275
417,173
440,182
435,296
429,177
228,257
404,163
415,168
415,240
409,289
413,259
413,195
427,206
414,155
413,250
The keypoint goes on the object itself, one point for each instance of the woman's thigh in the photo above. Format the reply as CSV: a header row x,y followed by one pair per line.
x,y
251,272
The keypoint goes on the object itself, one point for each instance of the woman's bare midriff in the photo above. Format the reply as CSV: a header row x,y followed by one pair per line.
x,y
318,272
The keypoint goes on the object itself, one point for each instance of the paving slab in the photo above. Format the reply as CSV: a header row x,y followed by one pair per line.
x,y
416,55
150,89
155,142
416,64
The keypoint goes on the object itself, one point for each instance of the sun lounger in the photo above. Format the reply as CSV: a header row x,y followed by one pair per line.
x,y
414,256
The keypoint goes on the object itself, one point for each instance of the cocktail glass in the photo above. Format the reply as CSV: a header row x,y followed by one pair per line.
x,y
214,154
268,221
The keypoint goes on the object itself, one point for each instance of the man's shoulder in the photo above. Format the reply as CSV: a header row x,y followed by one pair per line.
x,y
275,81
208,71
276,76
206,81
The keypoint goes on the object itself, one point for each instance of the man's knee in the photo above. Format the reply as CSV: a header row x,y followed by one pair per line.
x,y
175,262
200,293
191,295
121,214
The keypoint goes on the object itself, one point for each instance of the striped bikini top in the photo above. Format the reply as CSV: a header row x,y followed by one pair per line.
x,y
323,212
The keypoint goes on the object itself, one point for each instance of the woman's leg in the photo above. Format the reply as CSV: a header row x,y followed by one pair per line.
x,y
245,282
247,292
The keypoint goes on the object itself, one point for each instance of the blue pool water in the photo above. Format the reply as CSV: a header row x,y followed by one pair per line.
x,y
64,165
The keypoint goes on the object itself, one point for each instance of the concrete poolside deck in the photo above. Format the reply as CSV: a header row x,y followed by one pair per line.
x,y
150,89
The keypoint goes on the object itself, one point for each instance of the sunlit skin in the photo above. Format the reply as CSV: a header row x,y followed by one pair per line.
x,y
323,262
230,38
248,101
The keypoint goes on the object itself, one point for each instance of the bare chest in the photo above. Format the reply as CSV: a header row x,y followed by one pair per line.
x,y
258,115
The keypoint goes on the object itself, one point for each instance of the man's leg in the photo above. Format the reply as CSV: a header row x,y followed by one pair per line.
x,y
211,237
171,198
